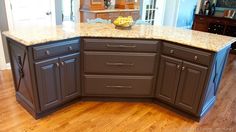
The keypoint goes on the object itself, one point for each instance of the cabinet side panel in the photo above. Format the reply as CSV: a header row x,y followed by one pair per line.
x,y
21,75
215,77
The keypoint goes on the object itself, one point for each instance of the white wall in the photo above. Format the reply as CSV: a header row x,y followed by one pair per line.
x,y
171,11
2,57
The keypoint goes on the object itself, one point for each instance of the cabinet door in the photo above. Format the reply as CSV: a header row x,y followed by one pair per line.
x,y
168,79
70,76
48,81
190,88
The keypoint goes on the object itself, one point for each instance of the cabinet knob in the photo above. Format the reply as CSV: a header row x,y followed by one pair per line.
x,y
47,52
172,51
178,66
62,63
195,58
183,68
57,64
70,48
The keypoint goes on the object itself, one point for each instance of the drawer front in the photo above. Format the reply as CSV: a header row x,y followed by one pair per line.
x,y
118,86
119,62
121,45
189,54
54,49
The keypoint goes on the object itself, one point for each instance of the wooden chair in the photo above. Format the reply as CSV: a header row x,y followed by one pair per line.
x,y
98,20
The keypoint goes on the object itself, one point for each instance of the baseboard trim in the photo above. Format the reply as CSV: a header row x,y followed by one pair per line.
x,y
7,66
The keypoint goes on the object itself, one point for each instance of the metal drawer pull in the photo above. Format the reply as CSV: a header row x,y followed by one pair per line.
x,y
195,58
70,48
47,52
120,46
183,68
119,87
119,64
172,51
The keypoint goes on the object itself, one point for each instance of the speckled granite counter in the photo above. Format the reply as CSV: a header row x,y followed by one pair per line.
x,y
207,41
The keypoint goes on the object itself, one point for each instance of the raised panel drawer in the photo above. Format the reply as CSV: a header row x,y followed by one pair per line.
x,y
185,53
54,49
118,86
119,62
121,45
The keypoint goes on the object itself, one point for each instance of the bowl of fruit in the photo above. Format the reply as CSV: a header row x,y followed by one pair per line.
x,y
123,22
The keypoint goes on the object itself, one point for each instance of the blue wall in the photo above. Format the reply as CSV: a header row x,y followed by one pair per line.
x,y
185,14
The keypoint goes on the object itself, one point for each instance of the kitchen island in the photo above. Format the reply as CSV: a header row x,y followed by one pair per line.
x,y
55,66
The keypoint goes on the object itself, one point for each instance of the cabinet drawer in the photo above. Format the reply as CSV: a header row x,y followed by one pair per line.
x,y
118,86
189,54
119,62
54,49
121,45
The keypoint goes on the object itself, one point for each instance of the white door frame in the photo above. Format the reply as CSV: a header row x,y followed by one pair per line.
x,y
3,64
10,15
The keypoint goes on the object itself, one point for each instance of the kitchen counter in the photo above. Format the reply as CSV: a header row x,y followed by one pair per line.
x,y
206,41
55,66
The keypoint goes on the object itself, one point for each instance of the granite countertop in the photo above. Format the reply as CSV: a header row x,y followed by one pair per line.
x,y
33,36
109,10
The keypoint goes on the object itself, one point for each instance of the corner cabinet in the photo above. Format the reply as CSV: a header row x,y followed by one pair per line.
x,y
181,82
58,78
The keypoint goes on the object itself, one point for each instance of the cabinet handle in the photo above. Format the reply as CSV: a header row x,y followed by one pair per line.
x,y
195,58
183,68
120,46
172,51
62,63
57,64
119,64
119,87
70,48
178,66
47,52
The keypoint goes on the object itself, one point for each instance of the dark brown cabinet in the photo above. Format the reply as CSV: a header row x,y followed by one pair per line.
x,y
191,83
58,80
181,83
70,76
168,79
48,81
46,76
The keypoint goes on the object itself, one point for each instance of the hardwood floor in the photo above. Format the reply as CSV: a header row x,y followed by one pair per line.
x,y
120,116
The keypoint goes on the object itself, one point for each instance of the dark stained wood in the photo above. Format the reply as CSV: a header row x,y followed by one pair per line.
x,y
63,84
168,79
203,23
118,86
70,76
119,63
192,82
48,80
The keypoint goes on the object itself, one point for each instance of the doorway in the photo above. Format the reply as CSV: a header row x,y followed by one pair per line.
x,y
37,13
153,11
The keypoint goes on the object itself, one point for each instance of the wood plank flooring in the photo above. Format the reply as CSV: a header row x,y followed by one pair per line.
x,y
119,116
